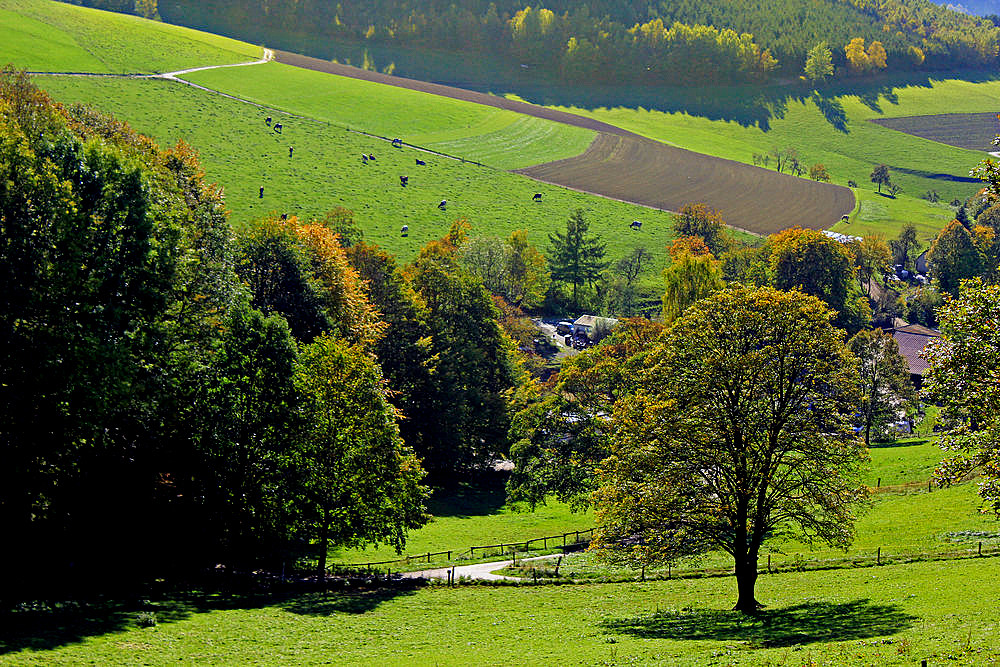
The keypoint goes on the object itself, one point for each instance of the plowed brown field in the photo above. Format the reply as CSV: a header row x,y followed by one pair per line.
x,y
626,166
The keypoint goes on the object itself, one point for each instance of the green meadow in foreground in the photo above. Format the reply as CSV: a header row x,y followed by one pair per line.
x,y
241,153
496,137
834,130
46,36
945,612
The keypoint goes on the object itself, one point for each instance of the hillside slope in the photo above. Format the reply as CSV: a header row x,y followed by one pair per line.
x,y
45,36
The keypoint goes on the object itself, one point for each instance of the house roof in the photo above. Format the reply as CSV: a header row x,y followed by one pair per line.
x,y
912,339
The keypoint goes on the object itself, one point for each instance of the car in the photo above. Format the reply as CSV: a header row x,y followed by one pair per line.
x,y
564,327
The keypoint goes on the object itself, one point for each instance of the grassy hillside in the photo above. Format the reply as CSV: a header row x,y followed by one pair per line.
x,y
46,36
499,138
242,154
835,132
944,612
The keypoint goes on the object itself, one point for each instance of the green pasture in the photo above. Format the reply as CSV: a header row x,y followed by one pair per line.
x,y
903,462
832,129
241,153
41,35
496,137
475,516
944,612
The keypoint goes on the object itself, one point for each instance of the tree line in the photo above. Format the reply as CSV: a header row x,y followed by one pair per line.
x,y
175,396
614,40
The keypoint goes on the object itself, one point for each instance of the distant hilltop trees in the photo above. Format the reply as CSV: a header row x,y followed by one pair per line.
x,y
689,41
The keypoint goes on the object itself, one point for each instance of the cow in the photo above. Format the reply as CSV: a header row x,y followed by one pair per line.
x,y
261,195
371,156
397,143
277,128
421,163
290,149
267,121
443,204
284,216
364,158
636,224
537,197
404,230
403,180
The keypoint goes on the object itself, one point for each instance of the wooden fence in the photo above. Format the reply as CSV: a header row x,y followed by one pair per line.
x,y
570,539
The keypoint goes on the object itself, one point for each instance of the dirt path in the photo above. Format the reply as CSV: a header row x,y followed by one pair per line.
x,y
626,166
479,571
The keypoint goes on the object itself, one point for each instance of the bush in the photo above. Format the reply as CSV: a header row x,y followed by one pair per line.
x,y
932,196
852,184
145,619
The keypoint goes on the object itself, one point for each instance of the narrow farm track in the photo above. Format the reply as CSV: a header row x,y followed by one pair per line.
x,y
479,571
626,166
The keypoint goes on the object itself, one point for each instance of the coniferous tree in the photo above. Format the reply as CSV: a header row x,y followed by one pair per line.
x,y
577,256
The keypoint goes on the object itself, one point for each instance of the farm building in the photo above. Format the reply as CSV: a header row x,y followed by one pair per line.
x,y
593,327
912,339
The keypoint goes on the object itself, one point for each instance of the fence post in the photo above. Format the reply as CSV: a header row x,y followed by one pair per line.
x,y
428,556
878,484
452,575
980,548
564,539
878,556
578,536
642,575
928,486
769,563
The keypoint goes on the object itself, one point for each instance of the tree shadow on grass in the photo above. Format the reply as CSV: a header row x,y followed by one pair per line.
x,y
480,493
833,111
772,628
353,602
47,627
43,627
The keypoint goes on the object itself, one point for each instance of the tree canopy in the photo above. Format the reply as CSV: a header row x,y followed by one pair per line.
x,y
740,429
141,385
964,378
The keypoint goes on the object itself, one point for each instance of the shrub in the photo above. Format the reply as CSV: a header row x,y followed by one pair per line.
x,y
145,619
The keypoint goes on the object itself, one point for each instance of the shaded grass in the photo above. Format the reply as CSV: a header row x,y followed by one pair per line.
x,y
502,139
894,615
241,153
41,35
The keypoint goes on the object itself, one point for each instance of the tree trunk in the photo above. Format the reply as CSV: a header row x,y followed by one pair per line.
x,y
746,580
323,541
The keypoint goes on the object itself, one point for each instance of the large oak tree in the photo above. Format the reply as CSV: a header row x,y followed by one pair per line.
x,y
741,430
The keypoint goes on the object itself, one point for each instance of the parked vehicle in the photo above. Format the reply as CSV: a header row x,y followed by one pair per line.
x,y
564,327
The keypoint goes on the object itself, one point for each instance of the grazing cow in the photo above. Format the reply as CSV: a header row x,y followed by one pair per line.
x,y
443,204
404,230
397,143
261,195
403,180
267,121
421,163
371,156
636,224
537,197
364,158
290,149
277,128
284,216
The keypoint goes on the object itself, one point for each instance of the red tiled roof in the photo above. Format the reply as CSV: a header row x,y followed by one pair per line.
x,y
912,339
